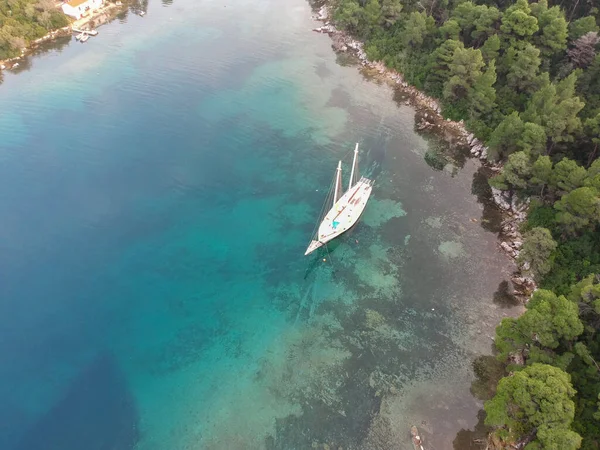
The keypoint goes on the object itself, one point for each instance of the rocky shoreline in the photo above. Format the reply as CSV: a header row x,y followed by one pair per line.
x,y
13,63
429,117
96,18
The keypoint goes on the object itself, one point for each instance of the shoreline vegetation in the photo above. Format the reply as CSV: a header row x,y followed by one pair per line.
x,y
518,83
27,24
430,118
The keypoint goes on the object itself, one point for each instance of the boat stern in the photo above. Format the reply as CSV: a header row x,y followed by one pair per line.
x,y
312,247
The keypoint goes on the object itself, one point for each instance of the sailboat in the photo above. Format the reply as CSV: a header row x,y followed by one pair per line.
x,y
346,207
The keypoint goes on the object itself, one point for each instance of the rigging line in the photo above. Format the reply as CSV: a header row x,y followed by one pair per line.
x,y
323,210
330,259
346,155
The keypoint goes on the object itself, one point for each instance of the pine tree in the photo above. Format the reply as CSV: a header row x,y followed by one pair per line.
x,y
439,65
490,48
579,27
523,60
450,30
504,138
555,107
482,97
465,69
517,21
537,250
578,210
553,32
415,30
535,401
390,12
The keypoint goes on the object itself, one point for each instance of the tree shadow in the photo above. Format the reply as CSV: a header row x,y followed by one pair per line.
x,y
475,439
488,371
491,217
504,296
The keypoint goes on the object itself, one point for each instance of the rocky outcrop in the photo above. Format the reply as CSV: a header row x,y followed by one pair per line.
x,y
524,286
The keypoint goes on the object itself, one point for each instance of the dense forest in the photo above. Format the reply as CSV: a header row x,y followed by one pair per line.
x,y
22,21
525,78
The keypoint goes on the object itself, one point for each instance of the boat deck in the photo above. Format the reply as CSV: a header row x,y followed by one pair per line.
x,y
344,213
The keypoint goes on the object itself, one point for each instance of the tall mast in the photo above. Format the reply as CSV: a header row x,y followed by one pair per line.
x,y
354,167
338,183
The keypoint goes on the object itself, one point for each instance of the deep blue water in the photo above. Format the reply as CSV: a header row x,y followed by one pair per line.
x,y
158,186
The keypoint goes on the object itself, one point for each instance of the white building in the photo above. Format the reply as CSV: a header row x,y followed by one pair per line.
x,y
79,8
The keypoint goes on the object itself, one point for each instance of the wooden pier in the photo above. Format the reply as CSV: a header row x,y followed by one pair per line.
x,y
88,32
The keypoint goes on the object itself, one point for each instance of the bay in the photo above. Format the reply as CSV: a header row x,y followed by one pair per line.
x,y
158,187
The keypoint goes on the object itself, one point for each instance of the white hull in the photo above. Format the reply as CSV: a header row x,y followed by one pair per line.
x,y
343,215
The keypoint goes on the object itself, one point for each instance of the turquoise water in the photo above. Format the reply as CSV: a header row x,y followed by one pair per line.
x,y
158,187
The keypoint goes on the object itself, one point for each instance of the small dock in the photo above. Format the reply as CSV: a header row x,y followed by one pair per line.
x,y
84,35
85,32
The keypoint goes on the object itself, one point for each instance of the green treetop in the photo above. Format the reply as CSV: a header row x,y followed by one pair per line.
x,y
439,65
490,48
415,29
579,27
552,36
482,98
568,175
477,21
465,69
537,250
523,62
535,404
550,319
578,210
555,107
390,12
517,21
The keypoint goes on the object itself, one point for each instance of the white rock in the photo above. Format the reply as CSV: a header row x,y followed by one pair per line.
x,y
500,199
506,247
323,13
520,216
519,206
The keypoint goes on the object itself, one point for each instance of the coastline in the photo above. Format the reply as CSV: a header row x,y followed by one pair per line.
x,y
103,86
96,18
429,118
